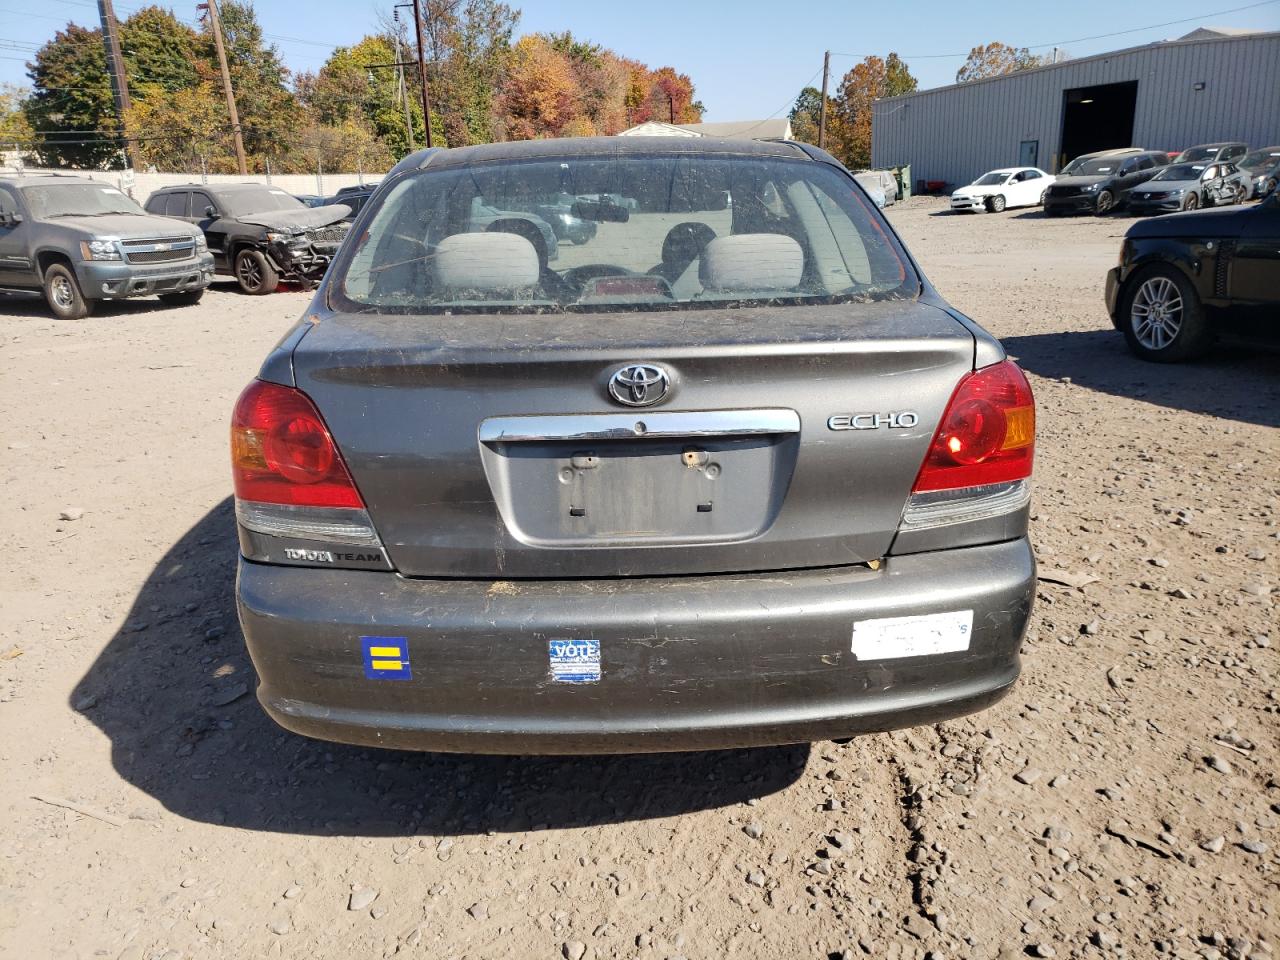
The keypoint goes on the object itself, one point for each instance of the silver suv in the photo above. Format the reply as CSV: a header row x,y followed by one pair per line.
x,y
79,241
728,472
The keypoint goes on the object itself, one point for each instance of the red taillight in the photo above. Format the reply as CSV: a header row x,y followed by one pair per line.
x,y
281,451
987,434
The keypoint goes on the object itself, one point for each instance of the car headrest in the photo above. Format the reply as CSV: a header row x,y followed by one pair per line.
x,y
473,263
685,242
751,261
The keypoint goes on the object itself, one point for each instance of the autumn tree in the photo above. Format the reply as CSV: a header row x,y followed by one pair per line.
x,y
483,87
872,79
996,59
14,129
539,95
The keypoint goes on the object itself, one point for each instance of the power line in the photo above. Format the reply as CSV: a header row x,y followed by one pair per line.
x,y
1062,43
786,105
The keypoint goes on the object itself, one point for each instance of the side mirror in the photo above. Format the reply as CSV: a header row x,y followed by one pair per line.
x,y
211,211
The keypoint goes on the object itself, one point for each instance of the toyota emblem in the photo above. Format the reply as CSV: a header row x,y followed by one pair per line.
x,y
639,385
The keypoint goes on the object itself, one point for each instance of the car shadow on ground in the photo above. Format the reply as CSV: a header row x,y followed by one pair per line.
x,y
1233,382
162,691
34,306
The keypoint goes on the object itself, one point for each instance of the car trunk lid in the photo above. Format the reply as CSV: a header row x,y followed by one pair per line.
x,y
489,445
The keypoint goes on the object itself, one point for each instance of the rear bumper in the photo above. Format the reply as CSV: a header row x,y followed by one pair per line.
x,y
1113,294
686,663
112,280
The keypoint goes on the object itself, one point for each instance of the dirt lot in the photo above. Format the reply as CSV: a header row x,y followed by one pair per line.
x,y
1125,799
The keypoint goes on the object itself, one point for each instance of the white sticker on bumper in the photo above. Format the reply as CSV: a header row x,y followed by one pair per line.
x,y
922,636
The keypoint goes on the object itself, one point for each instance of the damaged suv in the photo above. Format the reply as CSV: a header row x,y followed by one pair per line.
x,y
257,233
728,472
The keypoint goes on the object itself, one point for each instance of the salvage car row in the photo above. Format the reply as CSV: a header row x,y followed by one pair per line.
x,y
79,241
1143,181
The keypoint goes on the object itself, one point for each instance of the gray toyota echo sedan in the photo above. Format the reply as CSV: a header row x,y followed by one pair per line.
x,y
729,473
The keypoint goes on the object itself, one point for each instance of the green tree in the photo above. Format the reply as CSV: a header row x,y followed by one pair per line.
x,y
996,59
268,110
806,114
469,44
160,51
70,108
347,90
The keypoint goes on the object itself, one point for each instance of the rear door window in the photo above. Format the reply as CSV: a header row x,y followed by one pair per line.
x,y
175,204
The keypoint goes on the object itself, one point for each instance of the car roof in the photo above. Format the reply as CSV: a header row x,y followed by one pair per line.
x,y
566,147
1219,144
221,187
52,179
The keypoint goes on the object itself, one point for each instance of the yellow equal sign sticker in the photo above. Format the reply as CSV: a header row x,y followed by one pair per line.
x,y
386,658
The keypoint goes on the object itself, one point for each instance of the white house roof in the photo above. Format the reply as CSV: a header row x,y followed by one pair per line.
x,y
771,129
1208,33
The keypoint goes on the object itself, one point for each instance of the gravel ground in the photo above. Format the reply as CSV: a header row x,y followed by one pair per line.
x,y
1125,799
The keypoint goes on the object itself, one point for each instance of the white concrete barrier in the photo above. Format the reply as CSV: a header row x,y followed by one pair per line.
x,y
144,184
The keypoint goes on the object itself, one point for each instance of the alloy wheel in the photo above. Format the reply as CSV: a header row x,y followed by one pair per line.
x,y
1105,201
1156,314
249,273
63,295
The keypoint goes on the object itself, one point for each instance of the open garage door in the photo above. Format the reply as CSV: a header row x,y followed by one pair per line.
x,y
1097,118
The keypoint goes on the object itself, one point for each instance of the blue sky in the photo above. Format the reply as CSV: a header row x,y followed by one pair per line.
x,y
747,59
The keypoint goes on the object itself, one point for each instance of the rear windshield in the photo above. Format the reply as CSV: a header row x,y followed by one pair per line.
x,y
240,203
77,200
1198,153
621,233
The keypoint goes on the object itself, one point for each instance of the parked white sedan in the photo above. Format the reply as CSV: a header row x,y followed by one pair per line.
x,y
1008,187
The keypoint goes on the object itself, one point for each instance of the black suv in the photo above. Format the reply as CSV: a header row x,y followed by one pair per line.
x,y
354,197
258,233
1187,277
1100,182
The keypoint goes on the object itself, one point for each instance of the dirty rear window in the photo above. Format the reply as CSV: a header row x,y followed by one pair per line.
x,y
630,233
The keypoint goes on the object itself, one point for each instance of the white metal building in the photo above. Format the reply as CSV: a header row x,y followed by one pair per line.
x,y
1204,87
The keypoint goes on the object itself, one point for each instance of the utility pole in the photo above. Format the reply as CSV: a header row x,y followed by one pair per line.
x,y
671,109
119,83
215,24
404,94
422,71
822,111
